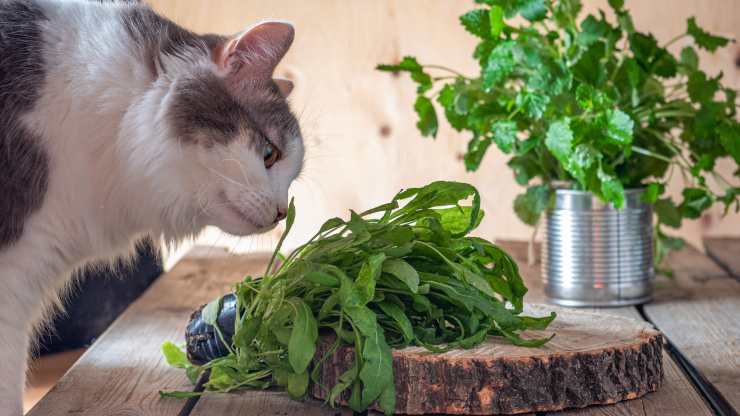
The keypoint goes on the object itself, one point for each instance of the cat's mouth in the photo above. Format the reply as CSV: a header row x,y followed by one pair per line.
x,y
238,213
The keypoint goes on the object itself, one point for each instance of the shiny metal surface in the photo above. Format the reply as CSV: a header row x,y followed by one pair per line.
x,y
595,255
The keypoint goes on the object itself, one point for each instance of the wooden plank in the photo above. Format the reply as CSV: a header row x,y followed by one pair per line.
x,y
124,370
726,252
676,396
698,312
259,402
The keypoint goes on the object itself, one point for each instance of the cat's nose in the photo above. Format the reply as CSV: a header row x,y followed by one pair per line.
x,y
280,215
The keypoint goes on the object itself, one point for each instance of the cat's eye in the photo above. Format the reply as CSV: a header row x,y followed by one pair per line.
x,y
270,154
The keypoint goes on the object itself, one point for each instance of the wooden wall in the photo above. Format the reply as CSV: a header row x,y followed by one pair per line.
x,y
358,123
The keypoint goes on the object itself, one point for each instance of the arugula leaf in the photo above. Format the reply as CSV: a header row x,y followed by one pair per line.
x,y
302,344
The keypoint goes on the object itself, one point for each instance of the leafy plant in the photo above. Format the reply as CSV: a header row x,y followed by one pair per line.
x,y
403,273
596,104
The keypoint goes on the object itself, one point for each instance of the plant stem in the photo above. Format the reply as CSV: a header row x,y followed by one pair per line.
x,y
444,68
676,39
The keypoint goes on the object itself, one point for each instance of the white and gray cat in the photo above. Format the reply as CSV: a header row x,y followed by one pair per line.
x,y
116,124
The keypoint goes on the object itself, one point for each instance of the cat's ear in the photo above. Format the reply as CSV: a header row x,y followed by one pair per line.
x,y
256,52
284,85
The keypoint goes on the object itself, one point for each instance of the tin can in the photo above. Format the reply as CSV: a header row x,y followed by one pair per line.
x,y
596,255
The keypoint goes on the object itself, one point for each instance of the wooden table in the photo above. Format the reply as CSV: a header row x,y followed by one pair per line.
x,y
121,374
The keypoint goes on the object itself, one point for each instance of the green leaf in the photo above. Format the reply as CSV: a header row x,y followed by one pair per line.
x,y
477,22
668,213
368,275
322,279
530,205
559,140
652,192
504,134
616,4
477,148
396,313
297,384
700,88
611,188
403,272
729,136
689,59
579,163
302,344
409,64
619,127
533,102
500,64
210,312
174,356
695,201
427,123
702,38
456,220
496,17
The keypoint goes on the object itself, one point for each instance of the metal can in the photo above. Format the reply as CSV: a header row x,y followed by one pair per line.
x,y
596,255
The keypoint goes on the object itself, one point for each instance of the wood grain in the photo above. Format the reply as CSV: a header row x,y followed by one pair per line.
x,y
677,396
699,313
363,145
726,253
594,359
122,372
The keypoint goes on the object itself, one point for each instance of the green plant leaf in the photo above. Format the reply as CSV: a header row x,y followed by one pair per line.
x,y
396,313
611,188
174,355
409,64
559,140
504,134
652,192
297,384
500,64
496,18
427,123
729,136
619,127
700,88
689,59
695,201
702,38
403,272
368,275
302,344
668,212
530,205
477,22
210,312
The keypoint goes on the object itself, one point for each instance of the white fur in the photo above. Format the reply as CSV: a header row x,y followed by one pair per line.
x,y
115,174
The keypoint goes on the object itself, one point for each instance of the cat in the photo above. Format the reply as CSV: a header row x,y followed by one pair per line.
x,y
117,124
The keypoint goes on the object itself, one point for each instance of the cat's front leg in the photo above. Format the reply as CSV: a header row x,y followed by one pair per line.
x,y
14,345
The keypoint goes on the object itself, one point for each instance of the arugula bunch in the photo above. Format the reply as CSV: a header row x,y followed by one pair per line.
x,y
403,273
597,105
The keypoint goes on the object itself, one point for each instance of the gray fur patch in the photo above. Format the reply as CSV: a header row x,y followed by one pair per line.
x,y
203,106
160,36
204,110
24,167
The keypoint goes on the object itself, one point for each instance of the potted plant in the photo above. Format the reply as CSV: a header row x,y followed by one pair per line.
x,y
596,110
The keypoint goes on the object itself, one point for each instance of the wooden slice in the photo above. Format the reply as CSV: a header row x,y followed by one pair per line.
x,y
595,358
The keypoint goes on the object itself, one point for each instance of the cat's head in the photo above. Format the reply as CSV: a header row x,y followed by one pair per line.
x,y
239,144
